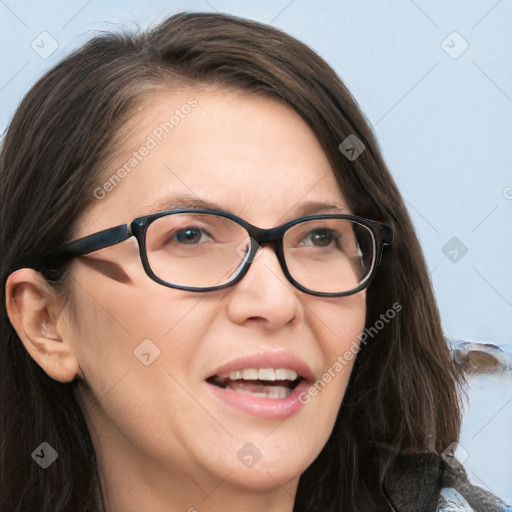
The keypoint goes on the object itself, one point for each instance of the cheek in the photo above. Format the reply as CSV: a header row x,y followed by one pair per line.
x,y
137,348
337,324
141,328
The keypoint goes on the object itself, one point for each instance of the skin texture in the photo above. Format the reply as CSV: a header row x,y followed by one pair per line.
x,y
164,440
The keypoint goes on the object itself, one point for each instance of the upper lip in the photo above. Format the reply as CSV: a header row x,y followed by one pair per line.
x,y
268,360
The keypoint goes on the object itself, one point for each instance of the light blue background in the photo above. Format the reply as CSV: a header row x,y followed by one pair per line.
x,y
444,125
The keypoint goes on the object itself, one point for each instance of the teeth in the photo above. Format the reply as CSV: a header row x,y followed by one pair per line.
x,y
269,374
235,375
259,390
263,382
285,374
250,374
266,374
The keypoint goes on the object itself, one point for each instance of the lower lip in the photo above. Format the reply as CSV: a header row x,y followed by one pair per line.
x,y
272,408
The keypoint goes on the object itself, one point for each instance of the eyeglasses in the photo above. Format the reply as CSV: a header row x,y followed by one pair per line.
x,y
203,250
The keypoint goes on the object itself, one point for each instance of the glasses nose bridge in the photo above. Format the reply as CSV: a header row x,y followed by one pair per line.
x,y
261,237
266,236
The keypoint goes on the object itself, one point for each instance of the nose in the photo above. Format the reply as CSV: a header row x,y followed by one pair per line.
x,y
264,294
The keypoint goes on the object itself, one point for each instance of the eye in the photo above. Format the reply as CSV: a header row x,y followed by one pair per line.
x,y
320,238
190,236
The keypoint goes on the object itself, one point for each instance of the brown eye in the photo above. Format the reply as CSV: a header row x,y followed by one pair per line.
x,y
319,238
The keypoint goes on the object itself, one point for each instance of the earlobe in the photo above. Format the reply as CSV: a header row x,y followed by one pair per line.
x,y
34,311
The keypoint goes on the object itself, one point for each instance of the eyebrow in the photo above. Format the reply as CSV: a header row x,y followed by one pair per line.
x,y
187,201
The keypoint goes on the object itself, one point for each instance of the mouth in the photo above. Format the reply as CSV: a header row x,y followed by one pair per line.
x,y
273,383
268,384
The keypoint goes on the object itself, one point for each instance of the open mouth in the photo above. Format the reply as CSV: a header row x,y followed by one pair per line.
x,y
264,382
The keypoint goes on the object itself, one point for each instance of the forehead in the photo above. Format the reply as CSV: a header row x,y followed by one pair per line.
x,y
251,155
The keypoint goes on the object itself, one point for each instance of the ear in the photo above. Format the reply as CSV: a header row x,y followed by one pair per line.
x,y
36,314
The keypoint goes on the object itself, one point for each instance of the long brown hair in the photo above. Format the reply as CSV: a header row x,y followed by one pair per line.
x,y
403,390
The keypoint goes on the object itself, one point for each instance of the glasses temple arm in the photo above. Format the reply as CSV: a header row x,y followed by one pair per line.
x,y
91,243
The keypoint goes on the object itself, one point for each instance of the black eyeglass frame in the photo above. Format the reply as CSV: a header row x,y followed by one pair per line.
x,y
382,235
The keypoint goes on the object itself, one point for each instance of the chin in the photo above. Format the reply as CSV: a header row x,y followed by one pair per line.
x,y
275,468
266,479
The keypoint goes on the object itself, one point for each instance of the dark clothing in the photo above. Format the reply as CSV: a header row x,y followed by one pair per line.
x,y
427,483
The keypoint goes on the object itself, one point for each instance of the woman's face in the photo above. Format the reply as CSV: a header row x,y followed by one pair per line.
x,y
146,350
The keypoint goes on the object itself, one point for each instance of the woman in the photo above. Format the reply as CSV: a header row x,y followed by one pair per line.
x,y
164,345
